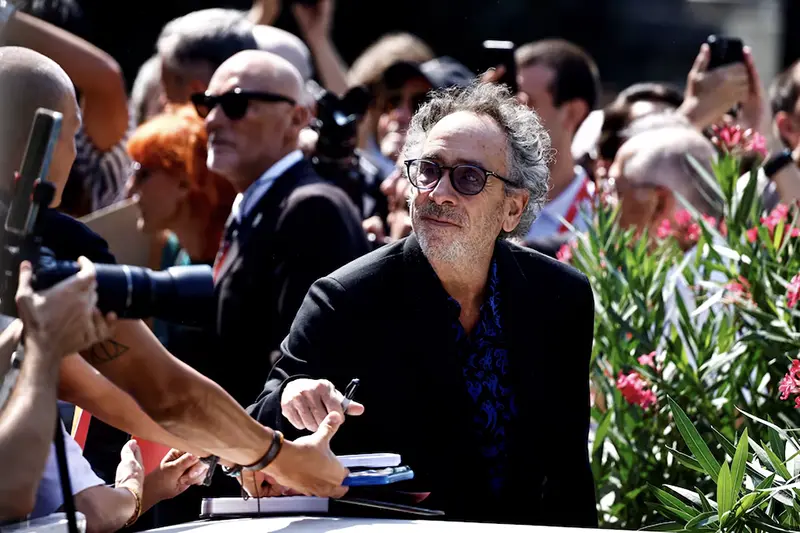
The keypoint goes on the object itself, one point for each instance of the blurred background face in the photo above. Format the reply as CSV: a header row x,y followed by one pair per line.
x,y
399,106
159,196
535,81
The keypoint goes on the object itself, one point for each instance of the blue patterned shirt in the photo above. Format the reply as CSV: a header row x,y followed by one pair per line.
x,y
484,357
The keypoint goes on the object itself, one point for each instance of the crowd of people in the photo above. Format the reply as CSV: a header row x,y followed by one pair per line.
x,y
436,211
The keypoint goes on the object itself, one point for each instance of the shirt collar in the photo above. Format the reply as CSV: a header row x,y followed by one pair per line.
x,y
559,206
244,203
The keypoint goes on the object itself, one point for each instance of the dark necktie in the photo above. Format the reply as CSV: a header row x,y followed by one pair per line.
x,y
231,230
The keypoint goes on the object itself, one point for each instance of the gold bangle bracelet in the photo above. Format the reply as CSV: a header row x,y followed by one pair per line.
x,y
138,511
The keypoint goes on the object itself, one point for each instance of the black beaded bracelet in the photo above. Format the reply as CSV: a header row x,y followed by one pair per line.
x,y
777,162
272,453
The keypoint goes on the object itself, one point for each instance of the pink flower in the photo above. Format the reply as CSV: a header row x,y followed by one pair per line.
x,y
757,144
752,235
734,287
793,291
564,253
790,384
723,228
664,229
694,232
710,221
729,137
795,232
648,359
636,390
683,218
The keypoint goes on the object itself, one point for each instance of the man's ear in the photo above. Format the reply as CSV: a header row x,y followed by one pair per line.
x,y
665,203
788,130
515,205
301,117
573,113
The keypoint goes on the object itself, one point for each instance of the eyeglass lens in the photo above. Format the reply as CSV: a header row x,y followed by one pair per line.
x,y
466,179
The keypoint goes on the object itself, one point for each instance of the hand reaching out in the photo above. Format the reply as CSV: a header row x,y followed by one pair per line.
x,y
177,472
315,20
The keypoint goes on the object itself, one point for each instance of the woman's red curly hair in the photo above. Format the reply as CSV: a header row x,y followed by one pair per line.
x,y
175,141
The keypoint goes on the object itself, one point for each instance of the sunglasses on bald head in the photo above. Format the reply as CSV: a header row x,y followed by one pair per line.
x,y
234,103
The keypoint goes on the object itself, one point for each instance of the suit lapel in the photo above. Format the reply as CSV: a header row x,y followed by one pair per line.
x,y
263,218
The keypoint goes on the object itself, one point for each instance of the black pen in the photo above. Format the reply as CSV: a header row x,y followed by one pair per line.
x,y
349,393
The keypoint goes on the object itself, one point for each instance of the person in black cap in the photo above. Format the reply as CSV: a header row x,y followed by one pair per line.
x,y
407,85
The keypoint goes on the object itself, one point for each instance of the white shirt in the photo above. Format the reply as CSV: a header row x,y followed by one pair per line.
x,y
244,203
549,222
48,496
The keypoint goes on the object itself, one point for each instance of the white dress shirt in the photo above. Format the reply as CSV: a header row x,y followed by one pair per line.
x,y
245,202
549,222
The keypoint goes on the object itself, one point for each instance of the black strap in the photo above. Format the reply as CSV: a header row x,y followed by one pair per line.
x,y
63,474
272,453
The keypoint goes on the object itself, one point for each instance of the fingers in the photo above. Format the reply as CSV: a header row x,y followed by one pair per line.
x,y
194,475
755,78
329,427
304,409
133,447
702,59
25,275
183,461
355,409
291,414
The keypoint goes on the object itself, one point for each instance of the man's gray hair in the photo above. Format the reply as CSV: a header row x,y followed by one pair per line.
x,y
661,150
208,36
146,91
529,153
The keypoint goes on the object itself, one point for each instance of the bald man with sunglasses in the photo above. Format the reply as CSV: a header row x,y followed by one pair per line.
x,y
287,228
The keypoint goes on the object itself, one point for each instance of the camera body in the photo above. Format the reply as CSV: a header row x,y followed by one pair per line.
x,y
724,51
179,294
336,157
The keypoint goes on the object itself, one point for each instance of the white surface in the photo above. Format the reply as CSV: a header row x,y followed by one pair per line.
x,y
54,523
284,505
370,460
304,524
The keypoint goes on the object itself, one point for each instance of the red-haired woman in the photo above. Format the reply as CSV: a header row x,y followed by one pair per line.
x,y
175,190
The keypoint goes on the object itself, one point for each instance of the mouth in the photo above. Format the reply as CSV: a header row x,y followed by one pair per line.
x,y
440,222
220,143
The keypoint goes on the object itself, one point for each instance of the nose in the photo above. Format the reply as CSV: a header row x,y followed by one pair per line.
x,y
402,115
215,119
443,192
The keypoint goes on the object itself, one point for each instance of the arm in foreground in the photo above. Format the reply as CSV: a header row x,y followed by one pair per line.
x,y
195,409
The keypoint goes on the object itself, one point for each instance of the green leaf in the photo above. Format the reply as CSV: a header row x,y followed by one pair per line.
x,y
780,468
672,502
686,460
707,505
739,463
602,429
664,526
768,527
694,441
670,512
701,520
724,491
777,445
687,494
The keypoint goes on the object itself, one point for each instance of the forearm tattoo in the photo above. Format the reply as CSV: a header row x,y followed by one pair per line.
x,y
104,352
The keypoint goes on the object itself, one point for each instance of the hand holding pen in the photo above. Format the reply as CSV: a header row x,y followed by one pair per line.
x,y
306,402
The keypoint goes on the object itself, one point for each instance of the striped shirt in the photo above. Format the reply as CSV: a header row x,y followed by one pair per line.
x,y
102,175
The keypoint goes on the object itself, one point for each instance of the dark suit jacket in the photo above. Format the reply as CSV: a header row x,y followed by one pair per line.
x,y
302,229
384,319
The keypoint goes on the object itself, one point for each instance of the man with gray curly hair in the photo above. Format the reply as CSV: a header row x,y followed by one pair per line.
x,y
465,400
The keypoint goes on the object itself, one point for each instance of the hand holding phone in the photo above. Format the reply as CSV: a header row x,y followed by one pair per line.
x,y
724,51
501,54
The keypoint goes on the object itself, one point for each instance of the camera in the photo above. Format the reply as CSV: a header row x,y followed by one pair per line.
x,y
178,294
336,157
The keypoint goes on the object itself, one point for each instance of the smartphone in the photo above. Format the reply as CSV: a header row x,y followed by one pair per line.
x,y
501,53
378,476
724,51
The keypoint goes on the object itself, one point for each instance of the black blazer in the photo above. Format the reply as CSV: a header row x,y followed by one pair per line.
x,y
384,319
302,229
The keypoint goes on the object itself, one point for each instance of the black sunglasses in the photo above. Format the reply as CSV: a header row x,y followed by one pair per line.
x,y
468,180
234,103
